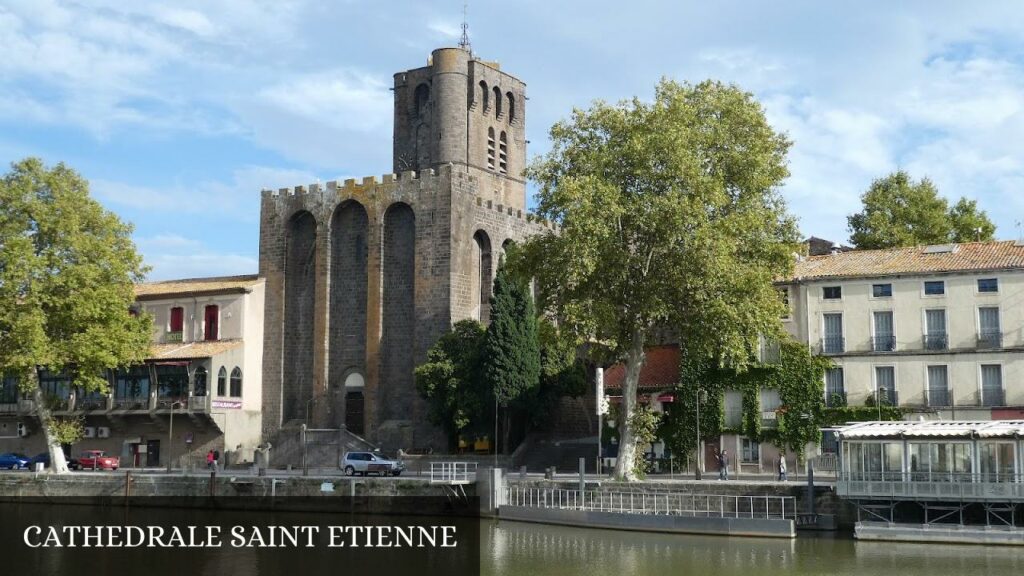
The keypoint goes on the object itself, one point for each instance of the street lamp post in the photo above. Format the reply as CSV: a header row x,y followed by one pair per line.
x,y
697,475
170,435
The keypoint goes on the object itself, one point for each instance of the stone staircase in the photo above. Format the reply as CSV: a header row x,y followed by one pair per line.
x,y
324,447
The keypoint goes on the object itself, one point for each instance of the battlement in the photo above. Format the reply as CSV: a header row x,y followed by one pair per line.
x,y
352,185
516,213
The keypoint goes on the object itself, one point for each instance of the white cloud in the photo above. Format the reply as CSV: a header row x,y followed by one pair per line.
x,y
234,200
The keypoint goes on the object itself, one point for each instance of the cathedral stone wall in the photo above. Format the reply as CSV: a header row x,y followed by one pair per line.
x,y
363,277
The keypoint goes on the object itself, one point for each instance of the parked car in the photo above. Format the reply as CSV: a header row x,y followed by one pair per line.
x,y
363,463
95,460
41,458
13,460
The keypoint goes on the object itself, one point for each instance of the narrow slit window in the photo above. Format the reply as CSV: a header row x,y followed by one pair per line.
x,y
503,154
490,148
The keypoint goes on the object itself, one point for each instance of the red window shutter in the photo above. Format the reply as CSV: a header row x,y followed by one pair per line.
x,y
210,333
177,319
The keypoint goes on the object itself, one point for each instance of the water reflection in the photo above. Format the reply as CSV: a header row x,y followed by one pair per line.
x,y
514,549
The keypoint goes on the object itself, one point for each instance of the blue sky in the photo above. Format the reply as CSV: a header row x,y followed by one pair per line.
x,y
180,112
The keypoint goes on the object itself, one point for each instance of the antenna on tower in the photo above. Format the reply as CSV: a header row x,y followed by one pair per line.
x,y
464,41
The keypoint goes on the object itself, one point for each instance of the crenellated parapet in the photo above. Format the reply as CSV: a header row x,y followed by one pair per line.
x,y
356,187
516,214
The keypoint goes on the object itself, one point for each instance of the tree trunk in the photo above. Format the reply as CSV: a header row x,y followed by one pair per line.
x,y
58,464
624,469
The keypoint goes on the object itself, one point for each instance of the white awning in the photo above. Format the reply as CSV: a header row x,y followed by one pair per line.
x,y
933,429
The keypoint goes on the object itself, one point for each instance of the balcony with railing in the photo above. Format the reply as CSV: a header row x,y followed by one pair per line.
x,y
883,343
936,341
885,397
835,398
833,345
993,396
939,397
989,339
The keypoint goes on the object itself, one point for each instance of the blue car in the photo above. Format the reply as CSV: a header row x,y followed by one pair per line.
x,y
43,458
13,461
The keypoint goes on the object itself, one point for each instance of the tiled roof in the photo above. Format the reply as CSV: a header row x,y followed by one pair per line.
x,y
190,350
973,256
219,285
660,370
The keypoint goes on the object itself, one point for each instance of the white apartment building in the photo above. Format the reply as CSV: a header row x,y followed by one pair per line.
x,y
200,389
938,328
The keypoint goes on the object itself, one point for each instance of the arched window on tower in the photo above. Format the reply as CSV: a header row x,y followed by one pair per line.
x,y
483,97
222,382
422,98
199,382
236,383
503,154
490,148
497,102
511,107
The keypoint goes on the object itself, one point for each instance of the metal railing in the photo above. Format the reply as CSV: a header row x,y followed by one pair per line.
x,y
936,341
833,345
993,396
883,343
827,462
655,503
835,398
939,397
938,485
452,472
990,339
131,403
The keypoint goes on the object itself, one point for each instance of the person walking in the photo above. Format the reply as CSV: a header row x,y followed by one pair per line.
x,y
216,459
723,465
209,459
782,468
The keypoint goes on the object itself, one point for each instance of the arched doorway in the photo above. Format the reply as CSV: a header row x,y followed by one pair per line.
x,y
354,418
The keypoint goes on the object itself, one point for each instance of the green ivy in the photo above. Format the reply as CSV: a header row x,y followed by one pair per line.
x,y
837,416
798,375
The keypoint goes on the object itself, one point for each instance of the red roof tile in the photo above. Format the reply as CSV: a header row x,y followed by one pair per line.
x,y
971,256
660,370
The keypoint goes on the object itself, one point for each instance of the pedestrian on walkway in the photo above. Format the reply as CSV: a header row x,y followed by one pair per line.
x,y
723,465
216,459
209,459
782,468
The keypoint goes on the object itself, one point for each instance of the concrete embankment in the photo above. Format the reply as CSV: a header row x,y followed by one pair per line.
x,y
366,495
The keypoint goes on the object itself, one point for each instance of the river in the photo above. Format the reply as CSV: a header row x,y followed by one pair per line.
x,y
507,549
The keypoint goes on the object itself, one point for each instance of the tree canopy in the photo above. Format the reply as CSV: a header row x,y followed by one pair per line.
x,y
452,381
511,349
668,213
897,211
67,271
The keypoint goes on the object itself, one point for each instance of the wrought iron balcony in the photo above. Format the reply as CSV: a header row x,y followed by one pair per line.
x,y
990,339
885,397
936,341
835,398
883,343
939,397
833,345
993,396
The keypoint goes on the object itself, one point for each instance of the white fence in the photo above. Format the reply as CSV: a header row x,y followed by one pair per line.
x,y
665,503
452,472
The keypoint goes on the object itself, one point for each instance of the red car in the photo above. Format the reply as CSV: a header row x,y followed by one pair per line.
x,y
95,460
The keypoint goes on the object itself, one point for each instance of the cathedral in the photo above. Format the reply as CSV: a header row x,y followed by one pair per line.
x,y
362,277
